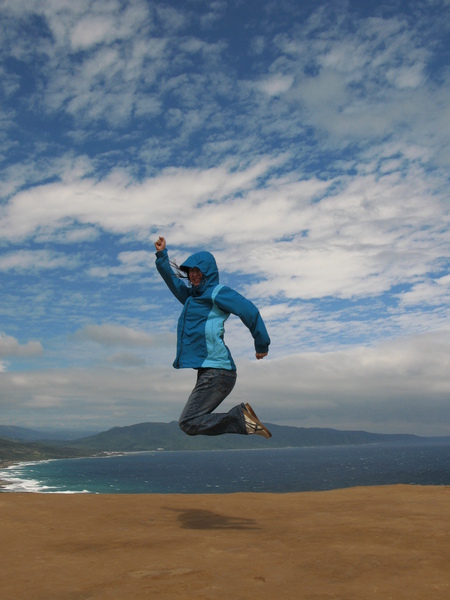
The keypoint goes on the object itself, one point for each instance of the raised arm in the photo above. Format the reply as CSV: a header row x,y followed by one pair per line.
x,y
177,287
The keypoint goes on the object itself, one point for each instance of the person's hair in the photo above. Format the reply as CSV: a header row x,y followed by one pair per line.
x,y
179,272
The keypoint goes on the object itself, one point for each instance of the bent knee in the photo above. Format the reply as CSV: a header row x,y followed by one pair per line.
x,y
187,427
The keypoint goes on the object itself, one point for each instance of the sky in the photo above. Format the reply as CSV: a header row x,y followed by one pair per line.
x,y
305,144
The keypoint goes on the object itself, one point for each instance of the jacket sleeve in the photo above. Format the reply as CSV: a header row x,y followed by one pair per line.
x,y
231,301
175,285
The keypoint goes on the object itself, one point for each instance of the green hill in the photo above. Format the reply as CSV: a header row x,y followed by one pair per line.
x,y
12,452
168,436
22,434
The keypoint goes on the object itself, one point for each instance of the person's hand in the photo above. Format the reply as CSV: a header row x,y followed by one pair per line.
x,y
260,355
160,244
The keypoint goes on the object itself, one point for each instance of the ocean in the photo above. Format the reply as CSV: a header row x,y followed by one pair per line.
x,y
227,471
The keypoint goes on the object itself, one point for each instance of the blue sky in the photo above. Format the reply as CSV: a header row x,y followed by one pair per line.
x,y
305,144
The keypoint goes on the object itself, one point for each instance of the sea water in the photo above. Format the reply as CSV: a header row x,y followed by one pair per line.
x,y
227,471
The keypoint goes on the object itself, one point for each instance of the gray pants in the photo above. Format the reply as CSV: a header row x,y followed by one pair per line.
x,y
212,387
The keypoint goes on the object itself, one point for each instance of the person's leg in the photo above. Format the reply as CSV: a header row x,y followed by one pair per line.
x,y
213,386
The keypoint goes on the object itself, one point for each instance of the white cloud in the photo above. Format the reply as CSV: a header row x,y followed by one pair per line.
x,y
126,359
399,386
90,31
118,205
100,395
97,57
276,85
364,81
110,335
37,169
129,262
24,260
9,346
373,233
72,235
428,293
389,388
406,77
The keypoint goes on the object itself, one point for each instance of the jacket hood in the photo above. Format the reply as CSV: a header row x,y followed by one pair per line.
x,y
206,262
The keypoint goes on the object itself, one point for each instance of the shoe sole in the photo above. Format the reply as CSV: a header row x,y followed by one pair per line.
x,y
252,413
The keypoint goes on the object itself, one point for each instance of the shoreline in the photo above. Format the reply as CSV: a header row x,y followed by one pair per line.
x,y
5,464
13,479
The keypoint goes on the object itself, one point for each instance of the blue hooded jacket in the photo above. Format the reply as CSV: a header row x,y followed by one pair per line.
x,y
206,307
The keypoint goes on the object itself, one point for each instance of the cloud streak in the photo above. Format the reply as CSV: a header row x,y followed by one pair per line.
x,y
334,389
111,335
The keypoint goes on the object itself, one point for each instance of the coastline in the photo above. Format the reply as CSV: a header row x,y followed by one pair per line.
x,y
285,471
4,465
362,542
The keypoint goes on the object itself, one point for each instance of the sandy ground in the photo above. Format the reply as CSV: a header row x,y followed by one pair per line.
x,y
387,543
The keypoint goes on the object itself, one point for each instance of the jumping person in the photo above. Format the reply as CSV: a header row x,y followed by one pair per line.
x,y
206,307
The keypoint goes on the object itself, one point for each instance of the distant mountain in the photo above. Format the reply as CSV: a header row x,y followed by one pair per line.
x,y
168,436
33,435
19,433
13,452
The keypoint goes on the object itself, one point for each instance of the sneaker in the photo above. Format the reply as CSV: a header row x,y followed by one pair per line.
x,y
253,424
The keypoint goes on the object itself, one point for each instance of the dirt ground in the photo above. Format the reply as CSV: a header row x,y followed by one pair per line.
x,y
386,543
